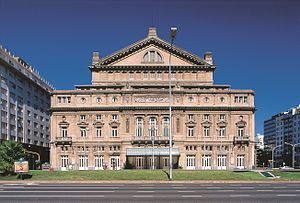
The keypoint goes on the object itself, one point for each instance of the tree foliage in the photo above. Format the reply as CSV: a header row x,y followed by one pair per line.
x,y
10,151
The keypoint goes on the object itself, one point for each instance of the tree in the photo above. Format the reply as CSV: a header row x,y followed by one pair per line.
x,y
10,151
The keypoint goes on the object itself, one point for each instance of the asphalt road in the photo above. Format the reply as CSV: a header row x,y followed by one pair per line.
x,y
168,192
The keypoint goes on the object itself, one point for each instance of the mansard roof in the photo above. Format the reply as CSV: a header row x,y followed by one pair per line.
x,y
154,40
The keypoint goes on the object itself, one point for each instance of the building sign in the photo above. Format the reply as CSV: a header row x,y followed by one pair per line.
x,y
21,167
46,167
151,99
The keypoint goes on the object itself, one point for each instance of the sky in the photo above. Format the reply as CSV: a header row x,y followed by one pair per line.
x,y
255,43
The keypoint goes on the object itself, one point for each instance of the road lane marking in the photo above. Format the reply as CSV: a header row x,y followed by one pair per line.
x,y
246,187
185,191
59,191
264,190
226,190
194,196
286,195
179,187
279,187
235,185
1,189
71,188
213,187
297,190
145,187
52,196
239,195
145,191
142,196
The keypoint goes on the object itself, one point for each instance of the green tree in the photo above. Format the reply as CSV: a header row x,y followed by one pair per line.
x,y
10,151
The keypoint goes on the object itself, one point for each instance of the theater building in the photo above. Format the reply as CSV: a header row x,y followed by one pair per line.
x,y
121,120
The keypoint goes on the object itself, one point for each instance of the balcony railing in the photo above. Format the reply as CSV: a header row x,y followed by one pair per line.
x,y
63,140
150,139
241,140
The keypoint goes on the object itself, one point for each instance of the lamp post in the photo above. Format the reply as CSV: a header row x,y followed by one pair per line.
x,y
273,151
173,35
293,152
84,146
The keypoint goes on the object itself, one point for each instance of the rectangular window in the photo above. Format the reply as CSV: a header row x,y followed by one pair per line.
x,y
206,131
190,131
206,117
83,162
64,162
83,132
241,131
98,131
98,117
190,162
206,162
127,125
222,132
191,117
64,132
240,161
114,132
99,162
245,99
82,117
145,75
114,117
131,76
222,162
222,117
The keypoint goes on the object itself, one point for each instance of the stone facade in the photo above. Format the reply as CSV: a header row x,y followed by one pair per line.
x,y
121,120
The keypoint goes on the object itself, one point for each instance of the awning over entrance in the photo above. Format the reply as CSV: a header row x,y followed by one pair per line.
x,y
150,152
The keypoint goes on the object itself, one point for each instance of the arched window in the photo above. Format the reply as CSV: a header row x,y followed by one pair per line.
x,y
166,124
139,126
152,126
152,56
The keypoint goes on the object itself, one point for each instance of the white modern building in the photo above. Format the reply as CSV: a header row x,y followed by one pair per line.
x,y
25,102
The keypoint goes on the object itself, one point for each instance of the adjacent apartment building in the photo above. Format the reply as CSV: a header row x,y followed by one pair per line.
x,y
281,129
121,119
25,104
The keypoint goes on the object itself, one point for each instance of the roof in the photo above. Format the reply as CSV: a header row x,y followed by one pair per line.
x,y
152,39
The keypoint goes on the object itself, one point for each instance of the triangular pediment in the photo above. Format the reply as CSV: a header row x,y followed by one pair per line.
x,y
134,55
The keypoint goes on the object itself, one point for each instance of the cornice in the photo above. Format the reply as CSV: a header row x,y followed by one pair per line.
x,y
152,68
136,108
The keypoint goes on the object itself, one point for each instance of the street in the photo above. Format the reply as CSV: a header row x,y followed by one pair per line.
x,y
163,192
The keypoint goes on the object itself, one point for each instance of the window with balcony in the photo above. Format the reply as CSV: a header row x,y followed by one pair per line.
x,y
241,131
64,131
152,126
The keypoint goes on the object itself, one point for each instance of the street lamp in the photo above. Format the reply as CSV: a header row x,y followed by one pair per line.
x,y
273,148
84,146
293,152
173,35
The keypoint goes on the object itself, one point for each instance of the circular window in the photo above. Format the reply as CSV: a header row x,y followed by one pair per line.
x,y
206,99
98,100
83,100
222,99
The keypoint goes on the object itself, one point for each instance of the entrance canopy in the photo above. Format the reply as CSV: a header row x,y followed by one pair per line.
x,y
150,152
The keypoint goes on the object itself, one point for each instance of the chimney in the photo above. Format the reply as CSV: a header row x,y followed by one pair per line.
x,y
152,32
208,57
96,58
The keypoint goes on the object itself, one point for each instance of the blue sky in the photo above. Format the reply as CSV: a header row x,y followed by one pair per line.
x,y
255,43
